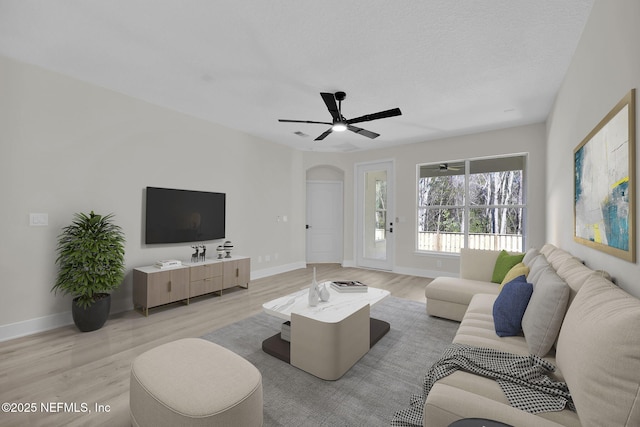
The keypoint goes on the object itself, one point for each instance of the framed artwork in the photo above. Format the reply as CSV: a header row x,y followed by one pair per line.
x,y
604,183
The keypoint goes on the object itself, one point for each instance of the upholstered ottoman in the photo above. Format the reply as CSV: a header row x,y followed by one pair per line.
x,y
194,382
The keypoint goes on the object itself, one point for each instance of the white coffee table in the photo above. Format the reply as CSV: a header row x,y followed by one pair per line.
x,y
328,339
339,306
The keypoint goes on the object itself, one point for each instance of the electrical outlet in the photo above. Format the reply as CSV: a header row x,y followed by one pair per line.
x,y
259,258
267,258
439,263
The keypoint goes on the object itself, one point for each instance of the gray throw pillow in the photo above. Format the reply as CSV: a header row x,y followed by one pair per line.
x,y
538,265
529,256
544,314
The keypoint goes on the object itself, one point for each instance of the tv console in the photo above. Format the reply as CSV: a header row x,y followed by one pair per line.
x,y
153,287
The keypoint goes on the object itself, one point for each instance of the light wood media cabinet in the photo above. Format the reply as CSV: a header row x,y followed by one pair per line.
x,y
153,286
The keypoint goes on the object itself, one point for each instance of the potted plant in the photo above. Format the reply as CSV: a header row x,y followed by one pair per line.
x,y
91,264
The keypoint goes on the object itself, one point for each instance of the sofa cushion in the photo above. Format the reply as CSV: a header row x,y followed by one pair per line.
x,y
448,297
510,306
477,264
529,256
575,273
458,290
556,256
503,264
536,268
597,352
466,395
477,328
547,249
543,316
517,270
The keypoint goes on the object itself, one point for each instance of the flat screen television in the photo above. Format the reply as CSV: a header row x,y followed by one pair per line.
x,y
177,216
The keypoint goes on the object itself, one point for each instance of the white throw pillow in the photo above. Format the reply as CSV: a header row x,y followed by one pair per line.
x,y
598,353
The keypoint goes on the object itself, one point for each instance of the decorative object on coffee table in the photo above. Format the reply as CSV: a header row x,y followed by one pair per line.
x,y
314,292
349,286
324,293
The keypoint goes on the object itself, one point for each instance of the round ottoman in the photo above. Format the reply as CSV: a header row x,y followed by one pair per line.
x,y
194,382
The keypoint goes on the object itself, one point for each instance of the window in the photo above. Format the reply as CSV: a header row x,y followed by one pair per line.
x,y
381,210
477,204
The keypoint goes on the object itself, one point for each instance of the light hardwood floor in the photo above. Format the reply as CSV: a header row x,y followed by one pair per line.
x,y
65,366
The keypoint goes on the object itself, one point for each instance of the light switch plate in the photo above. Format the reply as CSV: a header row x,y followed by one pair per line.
x,y
38,219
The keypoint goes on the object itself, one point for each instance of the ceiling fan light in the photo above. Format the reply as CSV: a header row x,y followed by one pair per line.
x,y
339,127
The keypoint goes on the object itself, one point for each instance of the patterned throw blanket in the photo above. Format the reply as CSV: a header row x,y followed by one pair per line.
x,y
523,380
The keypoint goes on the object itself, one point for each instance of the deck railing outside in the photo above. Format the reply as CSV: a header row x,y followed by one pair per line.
x,y
452,242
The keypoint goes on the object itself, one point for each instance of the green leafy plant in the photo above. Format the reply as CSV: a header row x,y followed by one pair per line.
x,y
90,258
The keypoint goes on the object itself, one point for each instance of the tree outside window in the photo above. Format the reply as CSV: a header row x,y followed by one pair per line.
x,y
472,203
381,209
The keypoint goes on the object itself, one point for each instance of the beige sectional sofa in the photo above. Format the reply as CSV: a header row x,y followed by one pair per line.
x,y
596,350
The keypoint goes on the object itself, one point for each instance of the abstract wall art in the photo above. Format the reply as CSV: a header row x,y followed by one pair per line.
x,y
604,183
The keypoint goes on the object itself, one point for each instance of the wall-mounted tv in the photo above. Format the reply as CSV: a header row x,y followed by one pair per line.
x,y
177,216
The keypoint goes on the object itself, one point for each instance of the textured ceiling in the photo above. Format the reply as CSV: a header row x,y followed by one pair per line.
x,y
452,66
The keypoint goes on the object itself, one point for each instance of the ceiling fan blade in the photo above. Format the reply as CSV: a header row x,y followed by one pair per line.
x,y
376,116
324,135
444,167
304,121
330,101
363,132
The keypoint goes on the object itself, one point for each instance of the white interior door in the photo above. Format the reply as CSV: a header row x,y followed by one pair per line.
x,y
374,215
324,221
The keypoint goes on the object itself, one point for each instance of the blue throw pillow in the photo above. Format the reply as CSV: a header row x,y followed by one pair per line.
x,y
510,306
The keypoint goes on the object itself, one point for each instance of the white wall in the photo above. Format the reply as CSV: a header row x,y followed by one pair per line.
x,y
605,66
523,139
67,146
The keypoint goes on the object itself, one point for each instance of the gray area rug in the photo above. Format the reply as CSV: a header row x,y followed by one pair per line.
x,y
380,384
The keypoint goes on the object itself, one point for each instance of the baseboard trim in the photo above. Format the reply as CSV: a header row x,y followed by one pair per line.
x,y
33,326
266,272
418,272
423,273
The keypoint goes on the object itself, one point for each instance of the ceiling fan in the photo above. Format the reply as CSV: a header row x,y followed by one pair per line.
x,y
447,167
443,167
339,123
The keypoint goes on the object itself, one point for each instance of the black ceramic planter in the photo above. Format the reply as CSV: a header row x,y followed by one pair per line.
x,y
93,317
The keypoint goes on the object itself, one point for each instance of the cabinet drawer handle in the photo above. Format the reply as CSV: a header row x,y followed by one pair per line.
x,y
237,272
169,285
